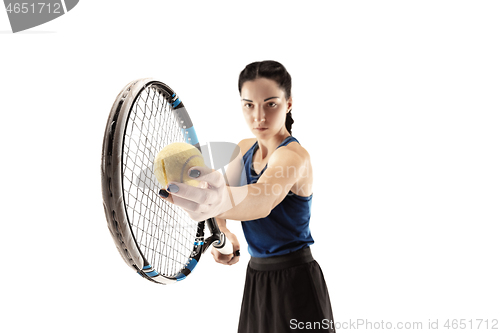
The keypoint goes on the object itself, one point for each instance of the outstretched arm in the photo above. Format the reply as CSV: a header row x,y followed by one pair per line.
x,y
241,203
257,200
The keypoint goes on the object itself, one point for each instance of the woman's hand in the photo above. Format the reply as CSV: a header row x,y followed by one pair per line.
x,y
229,259
202,202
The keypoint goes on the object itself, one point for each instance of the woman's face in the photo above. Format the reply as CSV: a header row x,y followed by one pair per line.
x,y
264,107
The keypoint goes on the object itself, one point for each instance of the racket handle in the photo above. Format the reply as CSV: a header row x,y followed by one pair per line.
x,y
224,246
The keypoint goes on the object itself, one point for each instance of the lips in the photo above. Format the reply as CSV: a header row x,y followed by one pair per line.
x,y
260,128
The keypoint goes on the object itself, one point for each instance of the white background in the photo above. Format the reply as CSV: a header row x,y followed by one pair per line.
x,y
396,101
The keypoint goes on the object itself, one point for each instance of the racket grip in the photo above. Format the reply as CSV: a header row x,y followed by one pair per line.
x,y
224,246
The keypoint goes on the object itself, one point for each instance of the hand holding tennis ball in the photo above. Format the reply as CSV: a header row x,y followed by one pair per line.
x,y
202,195
174,161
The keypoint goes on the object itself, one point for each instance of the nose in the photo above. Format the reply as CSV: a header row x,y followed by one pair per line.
x,y
259,115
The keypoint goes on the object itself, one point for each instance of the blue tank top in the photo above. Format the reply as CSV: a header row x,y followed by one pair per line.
x,y
286,228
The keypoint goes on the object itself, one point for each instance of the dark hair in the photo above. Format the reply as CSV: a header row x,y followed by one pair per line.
x,y
272,70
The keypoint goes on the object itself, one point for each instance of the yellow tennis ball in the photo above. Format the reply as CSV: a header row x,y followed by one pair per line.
x,y
173,162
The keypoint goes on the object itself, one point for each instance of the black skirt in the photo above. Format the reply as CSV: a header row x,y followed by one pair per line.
x,y
285,293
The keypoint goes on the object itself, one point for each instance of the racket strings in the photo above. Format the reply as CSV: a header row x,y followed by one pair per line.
x,y
163,232
175,257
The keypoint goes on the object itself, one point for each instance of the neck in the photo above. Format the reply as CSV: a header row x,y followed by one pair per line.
x,y
270,144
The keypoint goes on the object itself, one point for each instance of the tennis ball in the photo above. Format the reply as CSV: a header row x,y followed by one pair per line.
x,y
173,162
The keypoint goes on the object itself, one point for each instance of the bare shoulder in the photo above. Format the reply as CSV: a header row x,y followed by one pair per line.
x,y
293,150
246,144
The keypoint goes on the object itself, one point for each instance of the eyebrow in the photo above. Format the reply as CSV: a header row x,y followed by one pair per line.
x,y
249,100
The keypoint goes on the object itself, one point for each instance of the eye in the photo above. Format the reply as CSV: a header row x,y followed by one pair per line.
x,y
247,105
272,104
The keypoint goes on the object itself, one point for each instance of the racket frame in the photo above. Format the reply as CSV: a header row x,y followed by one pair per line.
x,y
112,186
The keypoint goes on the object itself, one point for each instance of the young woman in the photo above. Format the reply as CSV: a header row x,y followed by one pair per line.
x,y
270,191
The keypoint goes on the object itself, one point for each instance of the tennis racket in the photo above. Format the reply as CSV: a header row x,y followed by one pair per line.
x,y
155,238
